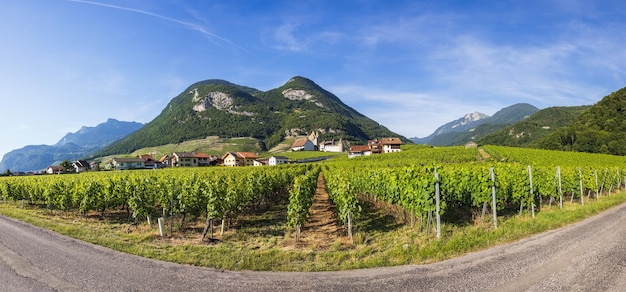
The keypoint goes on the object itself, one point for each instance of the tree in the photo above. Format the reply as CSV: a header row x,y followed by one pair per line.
x,y
67,165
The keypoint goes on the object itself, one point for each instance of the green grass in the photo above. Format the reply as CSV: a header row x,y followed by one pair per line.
x,y
306,154
261,241
219,146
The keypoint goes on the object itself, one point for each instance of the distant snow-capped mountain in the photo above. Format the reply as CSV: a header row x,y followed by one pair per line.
x,y
473,125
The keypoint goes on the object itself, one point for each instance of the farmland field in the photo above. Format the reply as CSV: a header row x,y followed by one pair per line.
x,y
416,206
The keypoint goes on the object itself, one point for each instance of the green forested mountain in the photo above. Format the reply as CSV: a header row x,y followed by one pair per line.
x,y
454,133
528,132
220,108
600,129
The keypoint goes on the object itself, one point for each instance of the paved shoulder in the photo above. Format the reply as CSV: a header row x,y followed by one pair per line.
x,y
590,255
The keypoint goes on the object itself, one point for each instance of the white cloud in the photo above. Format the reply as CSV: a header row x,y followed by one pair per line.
x,y
285,39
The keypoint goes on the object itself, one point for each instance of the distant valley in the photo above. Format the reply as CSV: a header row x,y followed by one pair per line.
x,y
72,146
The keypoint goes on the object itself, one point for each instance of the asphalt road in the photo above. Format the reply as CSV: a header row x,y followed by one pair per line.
x,y
587,256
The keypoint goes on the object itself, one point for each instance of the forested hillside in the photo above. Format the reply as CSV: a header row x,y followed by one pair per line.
x,y
220,108
528,132
600,129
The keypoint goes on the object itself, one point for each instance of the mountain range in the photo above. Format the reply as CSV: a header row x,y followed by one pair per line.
x,y
220,108
72,146
474,126
529,132
598,128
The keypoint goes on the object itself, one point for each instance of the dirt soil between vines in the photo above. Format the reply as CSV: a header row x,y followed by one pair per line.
x,y
322,229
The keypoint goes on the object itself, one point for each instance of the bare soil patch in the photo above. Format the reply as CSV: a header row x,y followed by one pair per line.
x,y
484,154
322,230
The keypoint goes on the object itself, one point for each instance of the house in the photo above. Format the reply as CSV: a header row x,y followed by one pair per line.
x,y
359,150
375,146
471,144
81,165
231,159
303,144
247,158
390,145
314,138
261,162
384,145
214,160
203,159
55,169
239,158
166,160
330,146
277,160
150,162
127,163
184,159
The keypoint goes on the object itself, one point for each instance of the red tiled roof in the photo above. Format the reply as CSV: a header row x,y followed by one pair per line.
x,y
359,148
299,143
246,155
202,155
146,157
390,141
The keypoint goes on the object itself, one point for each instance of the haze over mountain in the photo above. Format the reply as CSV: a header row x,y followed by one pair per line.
x,y
72,146
476,125
220,108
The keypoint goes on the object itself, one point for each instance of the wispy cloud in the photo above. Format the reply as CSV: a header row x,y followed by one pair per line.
x,y
558,70
188,25
285,39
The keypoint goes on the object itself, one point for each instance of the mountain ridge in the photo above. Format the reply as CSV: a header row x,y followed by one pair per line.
x,y
599,129
219,108
72,146
473,126
528,132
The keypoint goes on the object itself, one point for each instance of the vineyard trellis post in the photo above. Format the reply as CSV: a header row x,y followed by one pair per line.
x,y
437,201
606,174
558,174
532,195
161,226
595,174
172,214
493,198
350,221
582,195
298,221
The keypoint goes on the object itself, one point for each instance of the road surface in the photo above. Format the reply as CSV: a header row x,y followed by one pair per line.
x,y
587,256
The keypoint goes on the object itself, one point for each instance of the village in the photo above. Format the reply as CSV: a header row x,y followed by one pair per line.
x,y
232,158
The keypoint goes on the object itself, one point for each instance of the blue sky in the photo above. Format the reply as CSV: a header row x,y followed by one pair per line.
x,y
410,65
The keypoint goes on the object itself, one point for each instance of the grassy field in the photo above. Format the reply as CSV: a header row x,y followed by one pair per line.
x,y
261,241
219,146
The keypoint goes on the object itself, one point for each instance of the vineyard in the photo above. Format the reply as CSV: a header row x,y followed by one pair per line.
x,y
424,193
